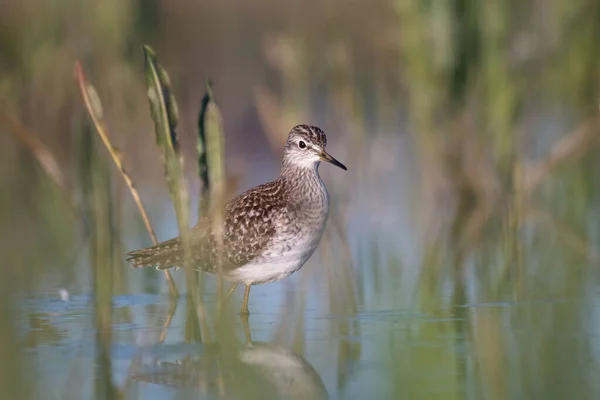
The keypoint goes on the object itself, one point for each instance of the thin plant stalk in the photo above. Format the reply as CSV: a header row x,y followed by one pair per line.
x,y
94,107
42,154
167,324
95,180
45,158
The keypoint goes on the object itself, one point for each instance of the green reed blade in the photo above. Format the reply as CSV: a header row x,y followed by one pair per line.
x,y
201,147
163,105
163,108
164,114
211,150
215,145
211,164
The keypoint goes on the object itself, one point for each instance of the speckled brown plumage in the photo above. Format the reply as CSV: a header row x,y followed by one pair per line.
x,y
269,231
246,232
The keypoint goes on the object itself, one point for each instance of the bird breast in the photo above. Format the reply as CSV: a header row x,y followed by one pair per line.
x,y
298,232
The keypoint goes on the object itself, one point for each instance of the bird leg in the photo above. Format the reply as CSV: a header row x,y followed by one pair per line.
x,y
244,309
231,290
246,325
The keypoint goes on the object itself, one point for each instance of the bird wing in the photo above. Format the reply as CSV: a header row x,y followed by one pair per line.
x,y
250,222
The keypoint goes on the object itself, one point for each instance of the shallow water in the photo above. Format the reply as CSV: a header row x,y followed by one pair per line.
x,y
367,317
380,352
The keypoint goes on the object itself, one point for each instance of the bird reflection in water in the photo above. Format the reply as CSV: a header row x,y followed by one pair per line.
x,y
254,370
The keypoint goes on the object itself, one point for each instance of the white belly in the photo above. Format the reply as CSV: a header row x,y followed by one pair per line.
x,y
279,262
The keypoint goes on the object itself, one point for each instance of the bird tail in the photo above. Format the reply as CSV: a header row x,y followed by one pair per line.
x,y
165,255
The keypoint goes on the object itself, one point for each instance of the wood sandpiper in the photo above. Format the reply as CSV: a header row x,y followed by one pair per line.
x,y
269,231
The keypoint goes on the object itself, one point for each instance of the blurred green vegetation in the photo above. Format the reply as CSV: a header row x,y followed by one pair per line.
x,y
496,102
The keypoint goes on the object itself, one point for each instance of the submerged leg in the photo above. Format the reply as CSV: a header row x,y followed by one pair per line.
x,y
244,309
232,290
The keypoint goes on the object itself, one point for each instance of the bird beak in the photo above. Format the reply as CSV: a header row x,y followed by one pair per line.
x,y
326,157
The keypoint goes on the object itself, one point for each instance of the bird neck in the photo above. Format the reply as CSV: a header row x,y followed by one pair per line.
x,y
303,181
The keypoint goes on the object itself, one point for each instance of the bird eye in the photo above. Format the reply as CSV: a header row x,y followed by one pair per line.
x,y
301,144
